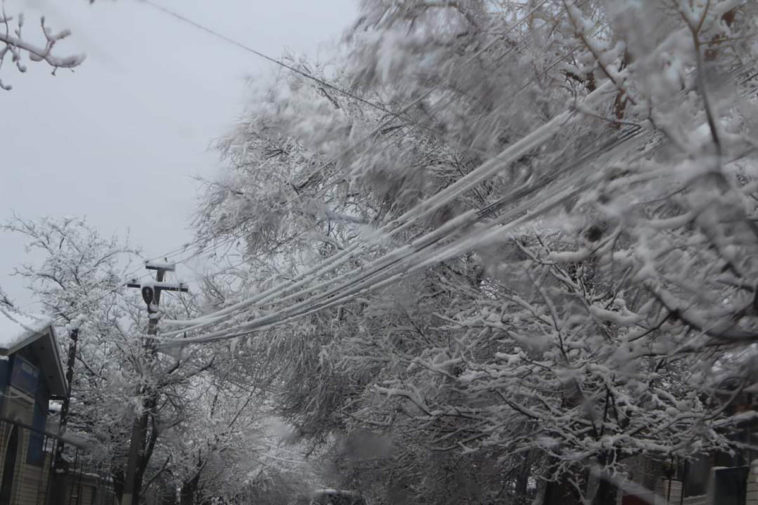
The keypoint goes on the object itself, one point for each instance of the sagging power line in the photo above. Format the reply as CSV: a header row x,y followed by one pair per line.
x,y
397,264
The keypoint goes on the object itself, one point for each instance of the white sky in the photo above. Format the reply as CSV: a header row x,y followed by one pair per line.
x,y
121,139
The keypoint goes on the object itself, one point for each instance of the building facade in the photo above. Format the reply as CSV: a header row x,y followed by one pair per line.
x,y
31,375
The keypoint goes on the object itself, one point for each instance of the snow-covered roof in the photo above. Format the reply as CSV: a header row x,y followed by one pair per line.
x,y
18,330
21,330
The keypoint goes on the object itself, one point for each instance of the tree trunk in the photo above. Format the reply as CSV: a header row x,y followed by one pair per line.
x,y
561,493
141,451
606,493
188,491
117,475
135,461
522,481
144,457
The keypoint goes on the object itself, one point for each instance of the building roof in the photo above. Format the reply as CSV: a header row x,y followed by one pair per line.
x,y
18,330
22,330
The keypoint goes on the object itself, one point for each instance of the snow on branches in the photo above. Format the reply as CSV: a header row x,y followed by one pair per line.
x,y
15,47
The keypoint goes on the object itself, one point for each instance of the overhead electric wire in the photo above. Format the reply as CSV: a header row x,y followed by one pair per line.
x,y
322,82
363,275
520,215
400,255
440,199
423,250
395,226
365,283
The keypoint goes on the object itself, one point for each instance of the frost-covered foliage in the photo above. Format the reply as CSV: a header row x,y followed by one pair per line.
x,y
223,443
77,267
537,248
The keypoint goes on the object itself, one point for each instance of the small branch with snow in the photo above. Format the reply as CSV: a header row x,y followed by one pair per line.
x,y
13,45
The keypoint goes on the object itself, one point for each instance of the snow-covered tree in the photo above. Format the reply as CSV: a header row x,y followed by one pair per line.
x,y
76,275
79,277
224,443
539,239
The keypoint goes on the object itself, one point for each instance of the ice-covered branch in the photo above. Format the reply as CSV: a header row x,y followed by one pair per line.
x,y
15,46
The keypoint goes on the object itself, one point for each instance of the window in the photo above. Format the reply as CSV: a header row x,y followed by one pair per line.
x,y
24,376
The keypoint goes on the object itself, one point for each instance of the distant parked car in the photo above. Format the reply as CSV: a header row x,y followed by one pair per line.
x,y
337,497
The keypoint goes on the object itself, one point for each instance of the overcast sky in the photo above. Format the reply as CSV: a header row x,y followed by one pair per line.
x,y
121,139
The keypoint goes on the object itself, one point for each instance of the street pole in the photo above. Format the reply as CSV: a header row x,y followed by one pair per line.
x,y
137,460
60,467
70,362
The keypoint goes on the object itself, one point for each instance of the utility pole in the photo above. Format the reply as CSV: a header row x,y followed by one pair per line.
x,y
73,336
138,446
60,466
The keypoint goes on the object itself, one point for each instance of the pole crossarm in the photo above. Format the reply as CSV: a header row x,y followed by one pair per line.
x,y
151,290
160,265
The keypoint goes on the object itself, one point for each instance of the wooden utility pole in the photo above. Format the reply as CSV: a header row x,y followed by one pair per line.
x,y
73,336
60,467
139,448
